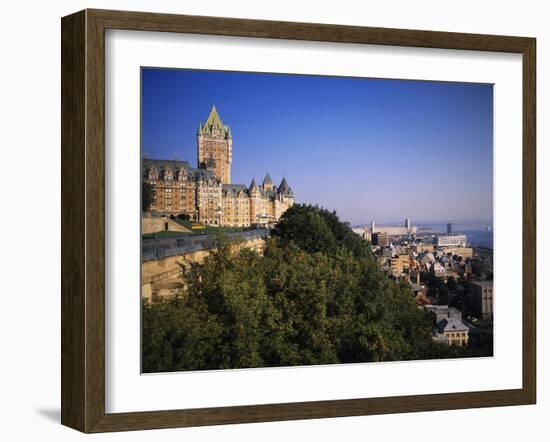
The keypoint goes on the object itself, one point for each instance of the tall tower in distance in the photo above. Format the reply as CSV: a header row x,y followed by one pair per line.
x,y
408,224
215,146
449,228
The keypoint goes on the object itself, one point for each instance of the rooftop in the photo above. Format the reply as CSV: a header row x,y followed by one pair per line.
x,y
175,166
451,325
214,122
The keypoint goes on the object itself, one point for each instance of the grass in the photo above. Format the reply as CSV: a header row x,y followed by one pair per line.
x,y
184,222
165,234
214,229
205,229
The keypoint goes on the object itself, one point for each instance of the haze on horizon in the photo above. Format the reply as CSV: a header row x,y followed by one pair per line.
x,y
367,148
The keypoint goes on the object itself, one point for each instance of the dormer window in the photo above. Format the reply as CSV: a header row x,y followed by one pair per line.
x,y
182,174
153,174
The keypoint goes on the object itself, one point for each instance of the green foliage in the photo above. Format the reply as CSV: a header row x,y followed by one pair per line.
x,y
146,195
314,229
451,283
306,301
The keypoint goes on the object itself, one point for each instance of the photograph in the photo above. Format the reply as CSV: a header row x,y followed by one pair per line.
x,y
303,220
245,221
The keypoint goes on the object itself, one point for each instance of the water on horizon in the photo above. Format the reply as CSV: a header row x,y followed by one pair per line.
x,y
478,234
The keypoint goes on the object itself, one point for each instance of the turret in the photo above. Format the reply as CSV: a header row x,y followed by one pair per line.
x,y
215,146
284,189
267,183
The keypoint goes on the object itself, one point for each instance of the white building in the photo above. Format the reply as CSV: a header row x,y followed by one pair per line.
x,y
451,240
404,230
395,230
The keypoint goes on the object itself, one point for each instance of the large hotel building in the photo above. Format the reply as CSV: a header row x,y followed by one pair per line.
x,y
205,193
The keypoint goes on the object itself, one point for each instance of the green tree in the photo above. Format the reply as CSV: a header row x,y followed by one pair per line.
x,y
146,195
314,229
451,283
305,301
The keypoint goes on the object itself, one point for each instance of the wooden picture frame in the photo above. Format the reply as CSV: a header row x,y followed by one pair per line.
x,y
83,219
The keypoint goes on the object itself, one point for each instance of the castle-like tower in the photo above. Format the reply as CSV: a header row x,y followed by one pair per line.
x,y
214,147
205,194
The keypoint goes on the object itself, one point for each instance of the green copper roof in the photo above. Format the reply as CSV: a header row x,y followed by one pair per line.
x,y
214,118
214,122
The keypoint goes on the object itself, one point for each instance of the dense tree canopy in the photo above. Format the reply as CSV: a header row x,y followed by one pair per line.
x,y
314,229
146,195
316,296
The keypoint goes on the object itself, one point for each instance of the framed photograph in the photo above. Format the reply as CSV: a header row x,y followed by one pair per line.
x,y
267,221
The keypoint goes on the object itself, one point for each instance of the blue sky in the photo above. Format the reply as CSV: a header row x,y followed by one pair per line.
x,y
367,148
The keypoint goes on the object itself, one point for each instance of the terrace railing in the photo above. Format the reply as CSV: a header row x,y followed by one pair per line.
x,y
159,247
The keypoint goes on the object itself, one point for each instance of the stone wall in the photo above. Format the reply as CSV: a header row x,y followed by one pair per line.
x,y
161,278
160,224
